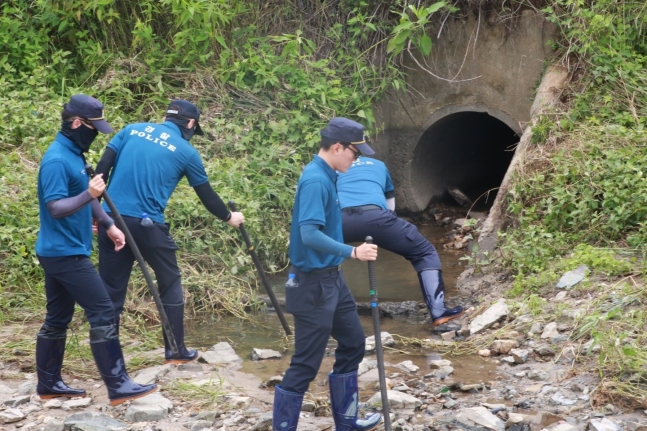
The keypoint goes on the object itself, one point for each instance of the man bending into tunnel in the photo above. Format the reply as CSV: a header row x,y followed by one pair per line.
x,y
368,208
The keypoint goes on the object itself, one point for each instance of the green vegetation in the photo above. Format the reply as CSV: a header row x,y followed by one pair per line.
x,y
583,198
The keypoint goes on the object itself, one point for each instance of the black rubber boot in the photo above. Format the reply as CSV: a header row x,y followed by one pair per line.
x,y
110,361
175,314
50,349
344,399
433,290
287,406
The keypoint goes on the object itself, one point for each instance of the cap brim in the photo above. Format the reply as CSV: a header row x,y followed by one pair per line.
x,y
198,129
102,126
365,149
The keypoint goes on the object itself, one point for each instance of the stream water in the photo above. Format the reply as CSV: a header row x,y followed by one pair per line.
x,y
396,281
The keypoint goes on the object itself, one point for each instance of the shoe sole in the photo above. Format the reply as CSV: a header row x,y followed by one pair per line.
x,y
123,400
52,396
442,320
376,425
180,361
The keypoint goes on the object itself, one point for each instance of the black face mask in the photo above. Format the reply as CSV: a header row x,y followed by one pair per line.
x,y
187,133
82,136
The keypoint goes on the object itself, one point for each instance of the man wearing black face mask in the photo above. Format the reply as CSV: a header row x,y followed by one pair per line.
x,y
145,162
67,202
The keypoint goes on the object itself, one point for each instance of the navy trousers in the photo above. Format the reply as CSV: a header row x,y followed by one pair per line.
x,y
391,233
322,306
158,249
70,280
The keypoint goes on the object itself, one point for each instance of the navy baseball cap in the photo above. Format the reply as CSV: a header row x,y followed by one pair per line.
x,y
90,109
185,110
348,131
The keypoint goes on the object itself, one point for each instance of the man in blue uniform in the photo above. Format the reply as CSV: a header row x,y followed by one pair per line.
x,y
67,204
142,165
320,300
368,208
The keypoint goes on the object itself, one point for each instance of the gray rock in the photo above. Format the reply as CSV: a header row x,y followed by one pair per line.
x,y
544,350
408,366
520,355
561,400
536,328
603,424
571,278
550,331
508,360
366,365
489,317
450,403
206,416
54,425
559,338
27,388
10,416
387,341
193,366
17,401
560,296
442,372
438,363
538,375
308,406
151,375
398,400
561,426
200,425
53,404
30,408
459,196
92,422
262,354
236,401
275,380
220,353
264,422
152,407
481,416
76,403
503,347
6,390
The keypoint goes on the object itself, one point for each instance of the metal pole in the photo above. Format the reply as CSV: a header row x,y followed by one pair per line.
x,y
375,311
259,268
166,326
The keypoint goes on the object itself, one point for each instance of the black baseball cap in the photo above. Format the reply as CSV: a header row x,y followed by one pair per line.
x,y
88,108
348,131
186,110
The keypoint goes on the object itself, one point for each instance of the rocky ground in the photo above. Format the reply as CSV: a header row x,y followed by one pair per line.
x,y
545,379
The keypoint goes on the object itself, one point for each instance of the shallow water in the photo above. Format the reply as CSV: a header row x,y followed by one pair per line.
x,y
265,332
396,281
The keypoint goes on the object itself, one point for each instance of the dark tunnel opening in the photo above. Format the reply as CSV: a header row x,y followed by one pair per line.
x,y
467,150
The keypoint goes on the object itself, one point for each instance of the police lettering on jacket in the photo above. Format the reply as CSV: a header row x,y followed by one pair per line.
x,y
161,139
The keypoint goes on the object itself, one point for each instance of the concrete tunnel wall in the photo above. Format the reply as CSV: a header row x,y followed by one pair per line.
x,y
462,133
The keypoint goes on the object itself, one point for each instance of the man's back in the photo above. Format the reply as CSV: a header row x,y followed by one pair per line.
x,y
365,183
151,160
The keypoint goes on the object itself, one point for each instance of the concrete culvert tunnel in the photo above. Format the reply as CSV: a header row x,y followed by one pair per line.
x,y
469,150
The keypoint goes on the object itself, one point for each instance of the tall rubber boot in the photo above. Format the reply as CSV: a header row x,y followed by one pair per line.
x,y
175,314
433,290
50,349
110,362
344,394
287,406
